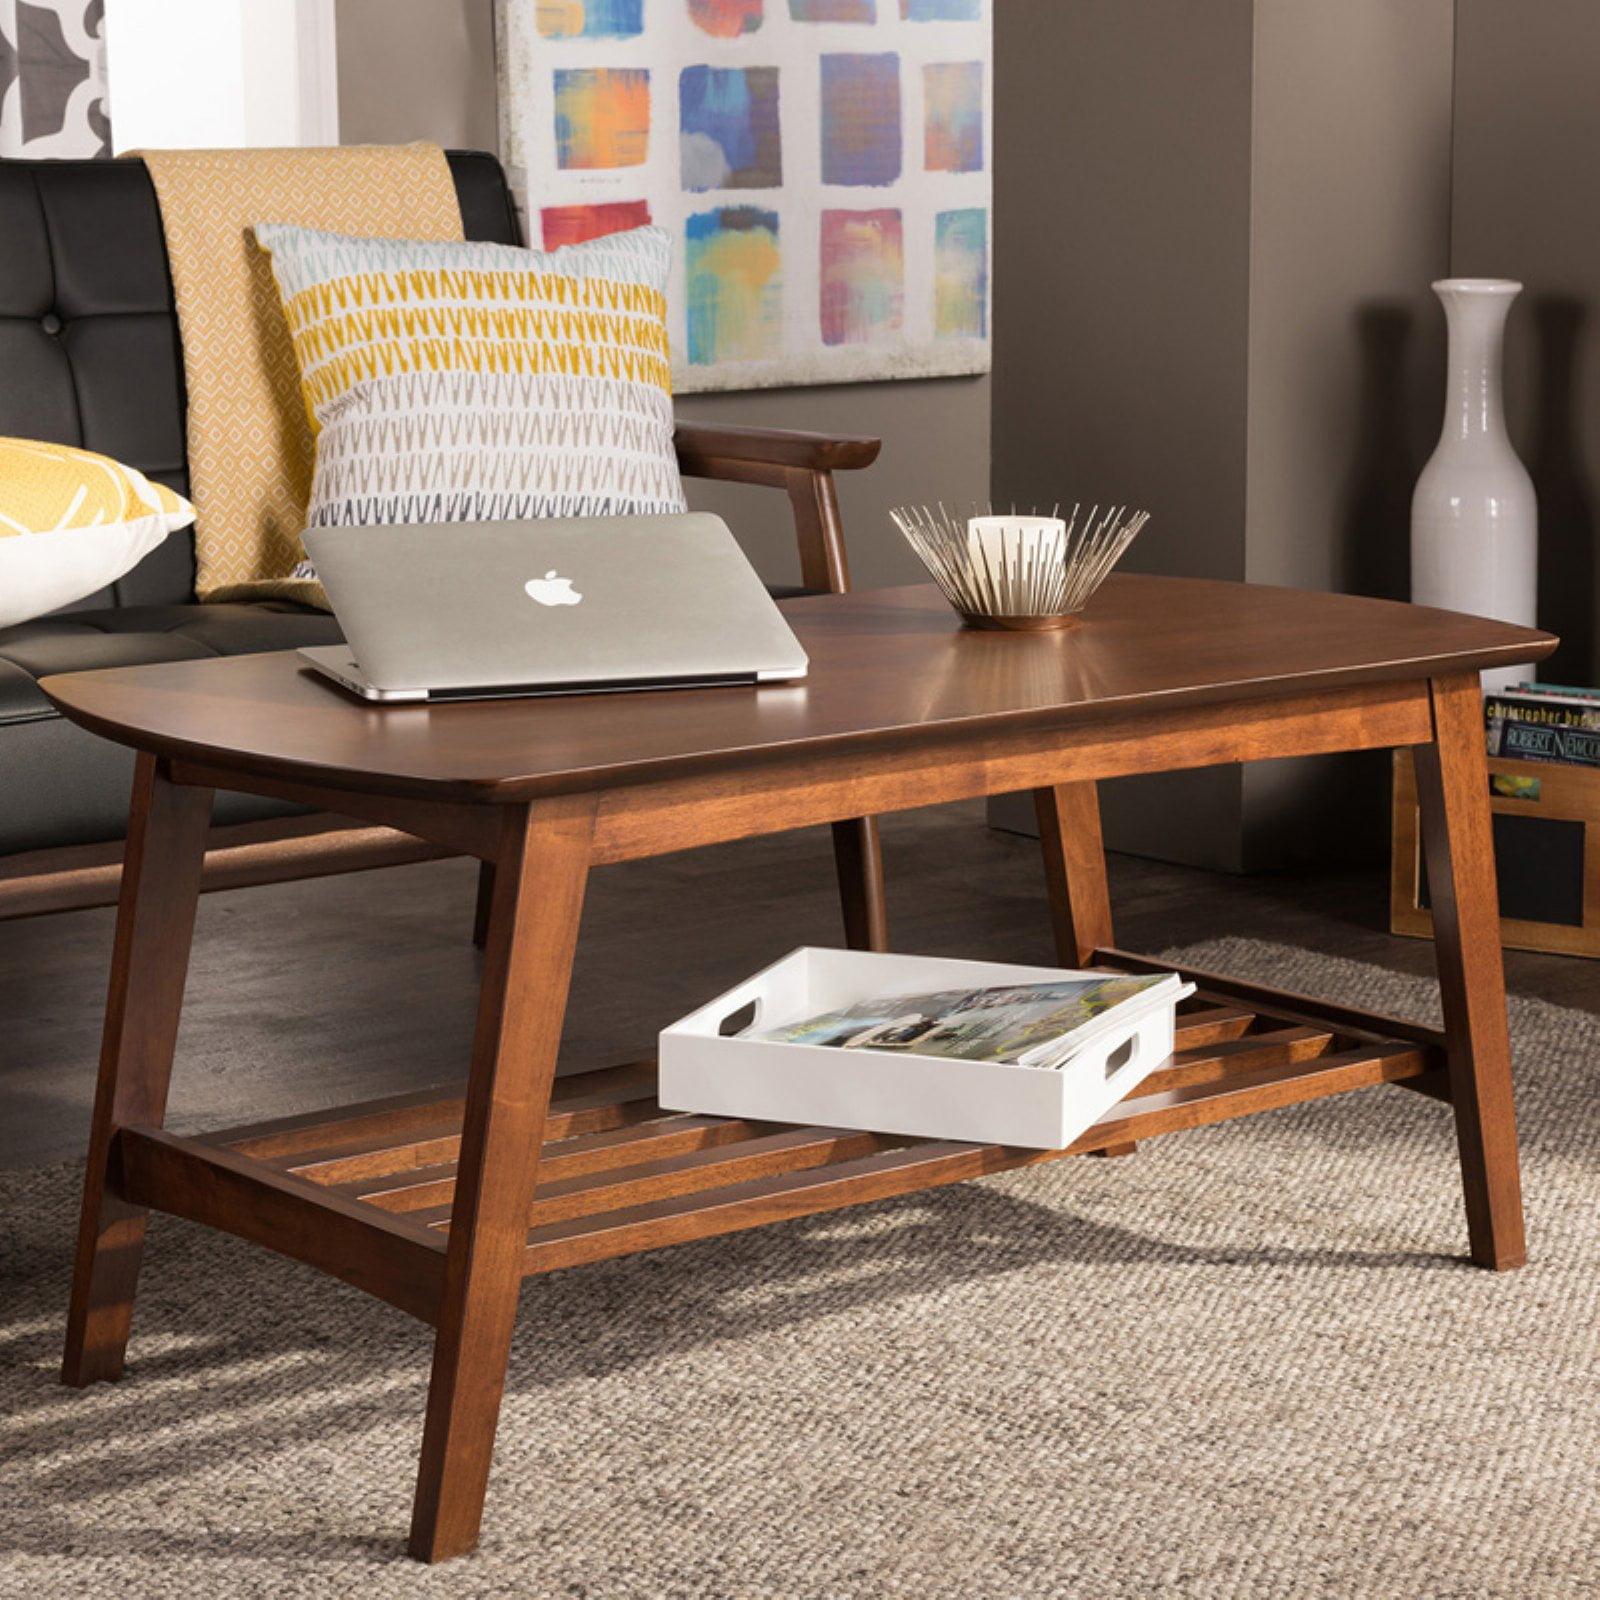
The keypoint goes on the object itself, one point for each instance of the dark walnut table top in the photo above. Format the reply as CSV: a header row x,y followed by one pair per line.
x,y
884,664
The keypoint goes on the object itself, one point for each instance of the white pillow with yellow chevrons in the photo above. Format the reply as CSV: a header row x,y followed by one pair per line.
x,y
471,382
71,522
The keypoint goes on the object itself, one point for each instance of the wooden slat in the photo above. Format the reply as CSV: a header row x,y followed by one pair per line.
x,y
395,1117
1284,1003
750,1205
581,1103
789,1150
1196,1105
700,1215
419,1175
1212,1024
386,1256
566,1158
676,1154
1254,1053
422,1127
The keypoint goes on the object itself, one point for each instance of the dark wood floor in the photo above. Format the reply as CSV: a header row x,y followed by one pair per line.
x,y
320,993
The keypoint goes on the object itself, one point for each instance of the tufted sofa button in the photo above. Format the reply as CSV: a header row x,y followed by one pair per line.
x,y
50,322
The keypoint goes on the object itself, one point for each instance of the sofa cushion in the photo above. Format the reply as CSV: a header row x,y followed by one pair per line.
x,y
79,641
21,699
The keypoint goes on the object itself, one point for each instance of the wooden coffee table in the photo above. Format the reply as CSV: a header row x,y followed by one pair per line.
x,y
440,1203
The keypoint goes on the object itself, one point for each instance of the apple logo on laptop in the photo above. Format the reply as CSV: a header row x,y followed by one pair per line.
x,y
552,591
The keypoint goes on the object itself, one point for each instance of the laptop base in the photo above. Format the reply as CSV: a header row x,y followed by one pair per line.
x,y
337,662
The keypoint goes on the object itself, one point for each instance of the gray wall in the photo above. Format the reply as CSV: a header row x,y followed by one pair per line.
x,y
1350,223
1122,298
1215,304
424,69
1527,195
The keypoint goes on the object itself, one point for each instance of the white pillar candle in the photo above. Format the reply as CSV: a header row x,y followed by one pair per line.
x,y
1006,543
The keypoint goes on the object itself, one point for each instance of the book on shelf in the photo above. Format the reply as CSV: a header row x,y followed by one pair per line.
x,y
1544,741
1544,722
1559,690
1554,711
1025,1024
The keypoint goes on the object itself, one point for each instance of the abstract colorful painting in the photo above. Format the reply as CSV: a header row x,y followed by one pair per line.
x,y
952,132
961,274
823,165
590,19
735,310
861,119
726,19
602,117
563,225
728,128
863,275
834,10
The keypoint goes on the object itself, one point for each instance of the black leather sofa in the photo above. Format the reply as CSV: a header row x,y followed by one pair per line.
x,y
90,356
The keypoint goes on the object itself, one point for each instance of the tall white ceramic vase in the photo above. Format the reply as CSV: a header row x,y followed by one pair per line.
x,y
1474,518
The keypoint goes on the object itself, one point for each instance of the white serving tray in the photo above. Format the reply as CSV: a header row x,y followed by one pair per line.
x,y
892,1092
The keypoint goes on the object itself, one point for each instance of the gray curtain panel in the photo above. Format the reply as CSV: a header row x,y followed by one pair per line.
x,y
53,79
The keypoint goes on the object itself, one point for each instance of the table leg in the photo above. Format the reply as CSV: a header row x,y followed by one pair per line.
x,y
1458,842
166,846
858,854
480,912
1075,876
533,927
1075,870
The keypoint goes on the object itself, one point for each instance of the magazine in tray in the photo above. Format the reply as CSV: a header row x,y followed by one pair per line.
x,y
1027,1024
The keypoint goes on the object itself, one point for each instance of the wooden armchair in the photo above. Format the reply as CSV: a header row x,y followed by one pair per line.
x,y
285,848
803,464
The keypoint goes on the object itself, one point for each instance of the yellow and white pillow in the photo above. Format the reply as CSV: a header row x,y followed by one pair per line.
x,y
470,382
71,522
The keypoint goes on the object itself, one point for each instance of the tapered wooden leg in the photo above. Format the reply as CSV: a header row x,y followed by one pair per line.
x,y
533,930
150,960
1075,876
1074,870
858,854
1458,841
480,912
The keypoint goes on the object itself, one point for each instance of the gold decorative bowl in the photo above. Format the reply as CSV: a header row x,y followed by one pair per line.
x,y
1025,573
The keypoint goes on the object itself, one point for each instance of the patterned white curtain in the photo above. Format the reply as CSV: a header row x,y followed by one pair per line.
x,y
53,78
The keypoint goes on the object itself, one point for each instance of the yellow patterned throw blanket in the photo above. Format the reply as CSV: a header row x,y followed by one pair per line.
x,y
250,443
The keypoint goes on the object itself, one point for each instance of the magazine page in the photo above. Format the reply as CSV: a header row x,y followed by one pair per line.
x,y
1000,1024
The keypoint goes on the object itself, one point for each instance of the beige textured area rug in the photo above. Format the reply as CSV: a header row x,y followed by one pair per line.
x,y
1246,1362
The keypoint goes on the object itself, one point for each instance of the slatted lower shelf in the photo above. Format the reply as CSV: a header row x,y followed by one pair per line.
x,y
619,1174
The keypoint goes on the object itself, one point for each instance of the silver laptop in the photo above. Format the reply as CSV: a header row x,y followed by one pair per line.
x,y
462,611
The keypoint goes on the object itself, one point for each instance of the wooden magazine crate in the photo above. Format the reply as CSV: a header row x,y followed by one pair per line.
x,y
1547,853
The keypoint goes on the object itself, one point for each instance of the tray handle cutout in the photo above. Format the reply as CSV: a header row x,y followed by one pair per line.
x,y
739,1019
1124,1055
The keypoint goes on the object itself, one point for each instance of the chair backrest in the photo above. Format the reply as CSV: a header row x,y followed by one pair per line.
x,y
89,351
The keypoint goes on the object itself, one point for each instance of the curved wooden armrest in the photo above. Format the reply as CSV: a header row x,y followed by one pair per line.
x,y
704,446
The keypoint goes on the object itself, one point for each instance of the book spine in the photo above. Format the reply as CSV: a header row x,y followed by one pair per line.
x,y
1538,741
1553,713
1557,691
